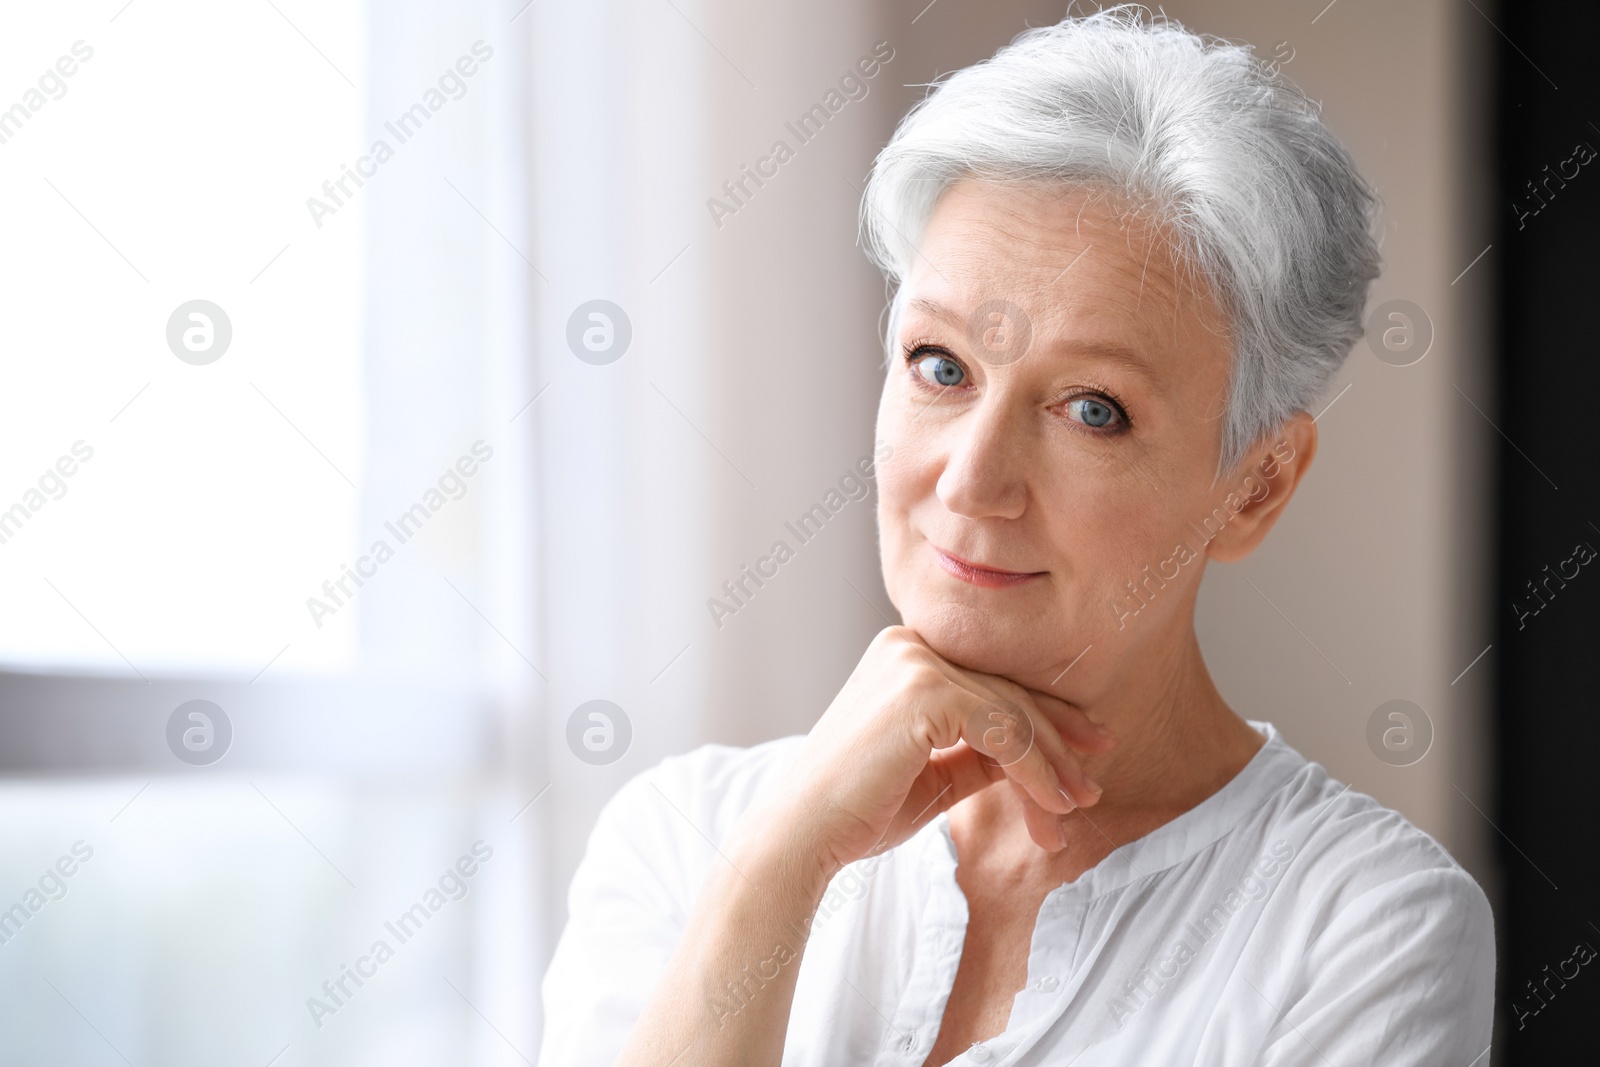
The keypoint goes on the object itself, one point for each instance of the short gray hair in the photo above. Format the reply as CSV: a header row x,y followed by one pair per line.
x,y
1200,132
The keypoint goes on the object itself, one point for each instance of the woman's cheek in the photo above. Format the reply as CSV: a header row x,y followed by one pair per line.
x,y
1113,542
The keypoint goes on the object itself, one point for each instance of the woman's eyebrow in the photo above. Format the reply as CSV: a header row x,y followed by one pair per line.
x,y
936,310
1114,352
1117,354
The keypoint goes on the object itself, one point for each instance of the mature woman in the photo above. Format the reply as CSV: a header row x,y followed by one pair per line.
x,y
1029,830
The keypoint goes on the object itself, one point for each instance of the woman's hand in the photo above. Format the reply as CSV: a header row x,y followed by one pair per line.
x,y
911,734
905,739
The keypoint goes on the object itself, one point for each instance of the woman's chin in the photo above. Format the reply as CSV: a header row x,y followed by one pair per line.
x,y
1015,648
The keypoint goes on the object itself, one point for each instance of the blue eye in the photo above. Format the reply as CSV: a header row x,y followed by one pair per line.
x,y
940,370
1091,411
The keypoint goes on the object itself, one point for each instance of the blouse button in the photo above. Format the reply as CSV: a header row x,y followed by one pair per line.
x,y
1048,984
980,1052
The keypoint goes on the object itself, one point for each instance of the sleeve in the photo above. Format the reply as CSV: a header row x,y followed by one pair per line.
x,y
1402,975
626,912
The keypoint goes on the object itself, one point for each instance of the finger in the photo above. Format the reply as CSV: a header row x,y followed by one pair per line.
x,y
1010,730
1043,826
1075,727
1000,728
951,775
1008,734
1083,790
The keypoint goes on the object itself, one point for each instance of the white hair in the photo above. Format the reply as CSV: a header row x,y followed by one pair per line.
x,y
1223,153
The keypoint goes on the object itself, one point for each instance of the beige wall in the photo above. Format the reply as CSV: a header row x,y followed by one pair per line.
x,y
1381,561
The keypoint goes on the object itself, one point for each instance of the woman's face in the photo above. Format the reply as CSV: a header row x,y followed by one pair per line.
x,y
1054,403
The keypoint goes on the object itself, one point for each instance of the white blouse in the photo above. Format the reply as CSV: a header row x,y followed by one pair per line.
x,y
1284,920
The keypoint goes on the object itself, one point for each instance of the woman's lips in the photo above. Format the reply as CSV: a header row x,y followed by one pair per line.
x,y
986,577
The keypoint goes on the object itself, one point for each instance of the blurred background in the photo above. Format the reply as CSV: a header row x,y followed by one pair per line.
x,y
391,387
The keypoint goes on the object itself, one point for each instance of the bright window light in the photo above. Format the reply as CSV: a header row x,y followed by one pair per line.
x,y
157,515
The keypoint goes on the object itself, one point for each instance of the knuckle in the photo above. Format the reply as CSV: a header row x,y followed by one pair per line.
x,y
891,635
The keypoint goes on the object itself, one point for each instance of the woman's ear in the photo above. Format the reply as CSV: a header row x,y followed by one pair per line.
x,y
1257,490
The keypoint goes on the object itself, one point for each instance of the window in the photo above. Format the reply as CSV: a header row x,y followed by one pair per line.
x,y
246,346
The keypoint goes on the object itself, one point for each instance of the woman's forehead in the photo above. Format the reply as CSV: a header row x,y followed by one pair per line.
x,y
1070,262
1038,238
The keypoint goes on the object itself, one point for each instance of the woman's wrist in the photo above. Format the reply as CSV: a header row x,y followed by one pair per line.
x,y
730,985
773,848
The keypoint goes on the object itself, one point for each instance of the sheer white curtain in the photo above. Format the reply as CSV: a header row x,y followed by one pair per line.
x,y
746,389
622,443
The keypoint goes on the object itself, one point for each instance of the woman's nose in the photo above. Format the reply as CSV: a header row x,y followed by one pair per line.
x,y
985,465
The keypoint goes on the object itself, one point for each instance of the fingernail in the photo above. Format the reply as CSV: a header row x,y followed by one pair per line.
x,y
1061,829
1093,787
